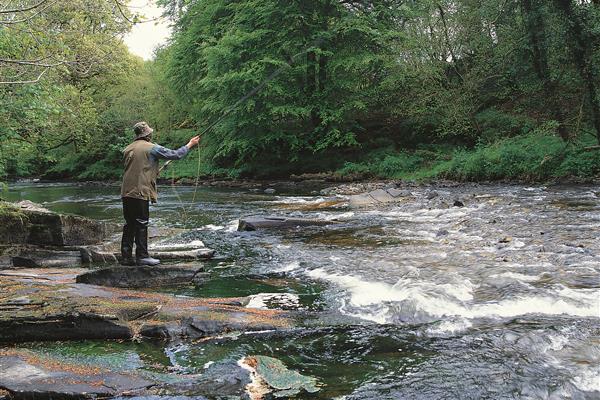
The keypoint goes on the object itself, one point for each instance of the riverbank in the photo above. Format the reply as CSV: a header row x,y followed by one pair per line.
x,y
532,158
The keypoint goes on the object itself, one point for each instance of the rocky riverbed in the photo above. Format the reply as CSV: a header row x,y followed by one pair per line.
x,y
354,291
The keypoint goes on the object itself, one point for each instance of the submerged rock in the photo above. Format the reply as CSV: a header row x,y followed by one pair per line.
x,y
458,203
143,276
271,376
273,222
27,376
196,327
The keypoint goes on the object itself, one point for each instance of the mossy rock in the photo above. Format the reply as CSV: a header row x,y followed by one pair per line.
x,y
285,382
32,224
14,224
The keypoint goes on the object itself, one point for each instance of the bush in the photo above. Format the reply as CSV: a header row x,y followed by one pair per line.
x,y
537,156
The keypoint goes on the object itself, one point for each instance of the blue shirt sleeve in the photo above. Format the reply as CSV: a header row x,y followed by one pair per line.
x,y
160,152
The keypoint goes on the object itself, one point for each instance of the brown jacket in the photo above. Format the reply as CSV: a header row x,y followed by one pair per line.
x,y
141,168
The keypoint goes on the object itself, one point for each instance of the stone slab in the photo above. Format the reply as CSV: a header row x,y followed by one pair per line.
x,y
253,223
141,276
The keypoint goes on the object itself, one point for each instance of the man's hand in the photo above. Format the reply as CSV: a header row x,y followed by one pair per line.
x,y
193,142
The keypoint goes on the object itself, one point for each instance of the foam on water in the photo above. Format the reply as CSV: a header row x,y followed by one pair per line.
x,y
263,301
588,379
294,265
298,199
181,245
517,276
449,327
381,302
211,227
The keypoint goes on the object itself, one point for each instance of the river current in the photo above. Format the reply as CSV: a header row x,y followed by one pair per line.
x,y
498,299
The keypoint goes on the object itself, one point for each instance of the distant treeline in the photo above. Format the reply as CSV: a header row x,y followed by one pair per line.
x,y
468,89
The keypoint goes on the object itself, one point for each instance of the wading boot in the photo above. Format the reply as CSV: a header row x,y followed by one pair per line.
x,y
127,245
141,246
147,261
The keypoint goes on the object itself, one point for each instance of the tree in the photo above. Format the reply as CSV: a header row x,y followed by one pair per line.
x,y
330,58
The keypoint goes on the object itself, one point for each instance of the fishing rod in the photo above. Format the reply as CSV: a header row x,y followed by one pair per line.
x,y
252,93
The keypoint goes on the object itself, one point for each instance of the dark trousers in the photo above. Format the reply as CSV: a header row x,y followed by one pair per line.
x,y
137,215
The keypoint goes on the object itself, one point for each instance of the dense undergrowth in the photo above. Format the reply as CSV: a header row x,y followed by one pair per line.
x,y
533,157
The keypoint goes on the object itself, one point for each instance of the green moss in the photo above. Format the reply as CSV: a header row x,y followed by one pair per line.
x,y
10,210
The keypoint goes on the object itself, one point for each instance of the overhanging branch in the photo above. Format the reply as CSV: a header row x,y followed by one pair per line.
x,y
24,9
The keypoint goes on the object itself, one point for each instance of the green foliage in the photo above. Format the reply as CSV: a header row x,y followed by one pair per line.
x,y
528,157
538,156
318,51
460,89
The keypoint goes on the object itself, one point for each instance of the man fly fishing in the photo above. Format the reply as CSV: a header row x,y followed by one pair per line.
x,y
139,189
141,171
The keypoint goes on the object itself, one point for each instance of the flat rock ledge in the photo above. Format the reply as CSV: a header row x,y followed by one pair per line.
x,y
145,277
27,376
39,305
254,223
75,256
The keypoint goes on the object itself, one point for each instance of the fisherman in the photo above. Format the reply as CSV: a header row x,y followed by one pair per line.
x,y
139,189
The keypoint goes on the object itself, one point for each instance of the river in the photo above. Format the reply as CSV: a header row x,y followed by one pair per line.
x,y
498,299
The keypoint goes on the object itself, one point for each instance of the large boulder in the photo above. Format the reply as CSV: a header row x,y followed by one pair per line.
x,y
144,276
30,223
253,223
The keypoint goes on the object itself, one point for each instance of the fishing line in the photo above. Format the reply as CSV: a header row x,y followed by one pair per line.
x,y
232,108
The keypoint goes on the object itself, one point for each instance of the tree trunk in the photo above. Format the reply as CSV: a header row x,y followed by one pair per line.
x,y
537,33
581,49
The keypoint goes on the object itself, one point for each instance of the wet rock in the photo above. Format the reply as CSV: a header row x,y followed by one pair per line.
x,y
40,258
272,222
26,376
58,309
30,223
458,203
379,196
196,327
506,239
39,326
97,255
224,379
270,191
270,375
184,255
141,277
194,245
431,195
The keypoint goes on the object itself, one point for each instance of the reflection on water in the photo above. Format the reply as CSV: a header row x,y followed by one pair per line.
x,y
497,299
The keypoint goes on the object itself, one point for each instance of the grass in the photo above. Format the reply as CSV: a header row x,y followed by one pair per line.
x,y
533,157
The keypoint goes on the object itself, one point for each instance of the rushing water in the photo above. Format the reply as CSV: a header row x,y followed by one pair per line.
x,y
498,299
